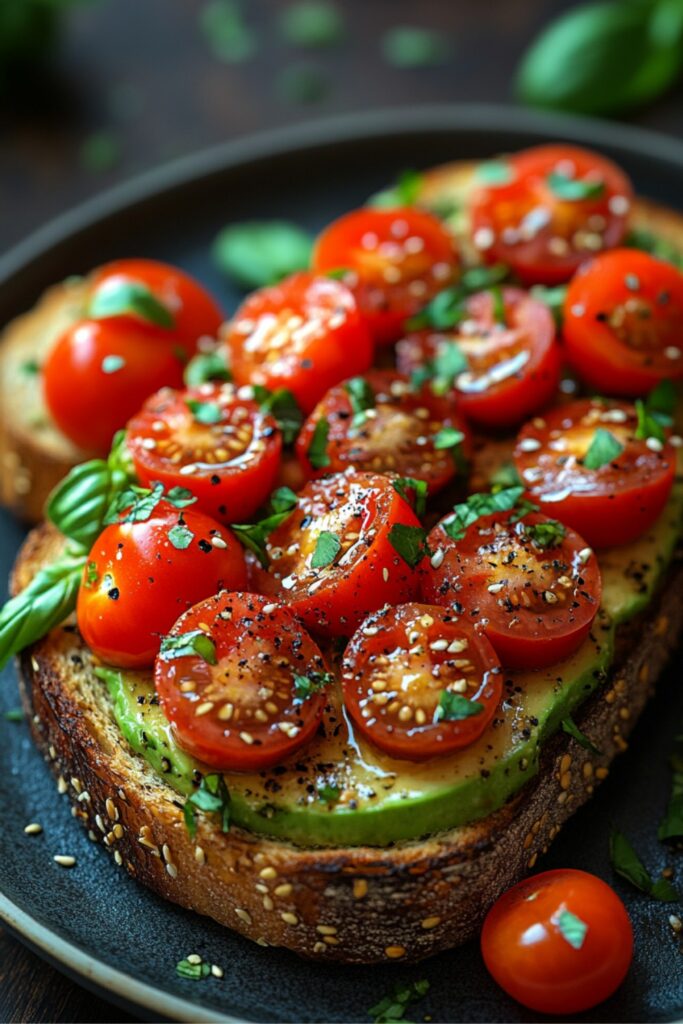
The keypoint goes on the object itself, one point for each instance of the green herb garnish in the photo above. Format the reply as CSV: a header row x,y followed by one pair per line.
x,y
494,172
453,707
284,408
317,449
603,449
393,1007
129,298
180,536
14,715
574,189
362,398
208,413
414,492
112,364
448,437
409,542
447,309
628,864
195,972
549,534
254,536
185,645
259,253
328,793
407,46
306,686
327,548
206,367
671,826
571,728
478,505
572,929
212,797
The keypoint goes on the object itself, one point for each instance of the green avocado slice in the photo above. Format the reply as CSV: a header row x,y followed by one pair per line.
x,y
341,791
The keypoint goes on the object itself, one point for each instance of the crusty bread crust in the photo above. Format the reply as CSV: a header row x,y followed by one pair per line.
x,y
353,905
34,454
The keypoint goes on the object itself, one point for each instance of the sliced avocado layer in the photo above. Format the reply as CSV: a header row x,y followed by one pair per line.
x,y
341,791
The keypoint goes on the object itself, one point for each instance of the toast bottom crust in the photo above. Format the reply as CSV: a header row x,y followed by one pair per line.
x,y
351,905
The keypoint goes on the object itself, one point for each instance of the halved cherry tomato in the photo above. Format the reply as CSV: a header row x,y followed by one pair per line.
x,y
224,449
622,322
418,681
194,311
531,584
337,557
559,942
610,505
99,373
141,575
395,433
549,208
260,694
395,261
305,334
510,366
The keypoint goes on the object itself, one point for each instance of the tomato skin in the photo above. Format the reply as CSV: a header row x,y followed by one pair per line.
x,y
250,634
397,261
614,350
609,506
387,440
527,955
89,404
541,236
230,488
320,334
195,312
143,582
374,576
525,635
407,678
529,333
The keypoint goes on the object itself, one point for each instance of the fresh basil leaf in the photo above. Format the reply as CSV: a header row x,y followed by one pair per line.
x,y
307,685
195,972
184,645
453,707
254,536
571,728
572,929
628,864
206,367
405,192
602,58
648,425
447,309
78,504
327,548
549,534
574,189
207,413
393,1007
478,505
641,238
14,715
312,24
259,253
317,449
179,497
212,797
603,449
409,542
414,492
448,437
284,408
407,46
180,536
136,504
362,398
47,600
120,297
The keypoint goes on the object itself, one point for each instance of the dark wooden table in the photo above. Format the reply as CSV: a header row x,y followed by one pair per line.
x,y
134,84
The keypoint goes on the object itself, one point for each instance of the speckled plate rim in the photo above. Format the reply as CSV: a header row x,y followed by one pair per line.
x,y
99,977
122,988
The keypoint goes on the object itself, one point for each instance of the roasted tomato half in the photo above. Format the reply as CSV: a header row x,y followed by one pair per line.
x,y
380,422
395,261
500,364
529,583
241,681
418,681
223,449
560,942
192,312
99,373
588,464
305,334
623,318
142,574
351,545
543,211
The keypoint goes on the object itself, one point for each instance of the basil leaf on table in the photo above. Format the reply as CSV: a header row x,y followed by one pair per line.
x,y
259,253
606,57
48,599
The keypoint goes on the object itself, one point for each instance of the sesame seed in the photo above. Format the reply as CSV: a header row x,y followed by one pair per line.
x,y
203,709
289,918
199,855
118,831
34,829
111,809
430,922
675,922
437,558
243,915
370,630
360,888
218,542
584,555
76,783
676,440
64,861
61,785
268,609
247,738
385,574
216,971
395,952
654,444
529,444
484,238
672,352
268,872
495,588
618,205
439,645
118,858
194,958
283,890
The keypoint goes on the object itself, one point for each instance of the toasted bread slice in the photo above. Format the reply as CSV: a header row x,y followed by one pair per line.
x,y
354,904
34,454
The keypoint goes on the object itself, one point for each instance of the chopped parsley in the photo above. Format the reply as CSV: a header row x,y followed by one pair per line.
x,y
448,437
574,189
394,1006
136,504
180,536
478,505
453,707
603,449
122,297
307,685
317,449
284,408
205,412
409,542
548,534
212,797
628,864
195,972
254,536
206,367
414,492
256,254
183,645
448,308
327,548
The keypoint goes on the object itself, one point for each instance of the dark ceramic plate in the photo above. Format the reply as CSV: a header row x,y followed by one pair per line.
x,y
96,923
